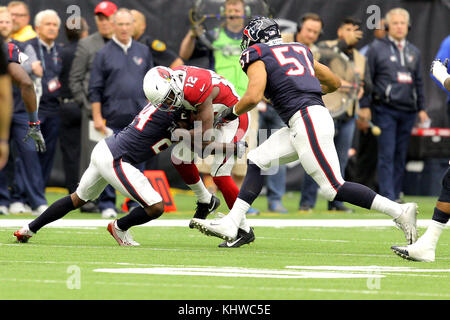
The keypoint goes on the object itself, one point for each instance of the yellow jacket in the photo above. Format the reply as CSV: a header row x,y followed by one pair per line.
x,y
24,34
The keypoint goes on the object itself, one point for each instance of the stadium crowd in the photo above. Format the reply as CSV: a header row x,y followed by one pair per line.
x,y
93,86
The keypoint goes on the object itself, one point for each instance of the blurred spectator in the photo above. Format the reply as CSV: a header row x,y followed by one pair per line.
x,y
222,46
25,136
162,55
349,35
395,69
22,30
309,30
48,69
70,112
79,81
115,86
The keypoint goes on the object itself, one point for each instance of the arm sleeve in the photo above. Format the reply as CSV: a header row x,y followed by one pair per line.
x,y
96,81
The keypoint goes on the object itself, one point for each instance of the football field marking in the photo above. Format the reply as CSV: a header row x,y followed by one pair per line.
x,y
238,273
277,223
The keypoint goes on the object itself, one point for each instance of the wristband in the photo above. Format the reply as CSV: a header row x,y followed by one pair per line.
x,y
33,117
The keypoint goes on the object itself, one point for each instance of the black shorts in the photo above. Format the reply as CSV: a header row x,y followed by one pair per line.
x,y
445,192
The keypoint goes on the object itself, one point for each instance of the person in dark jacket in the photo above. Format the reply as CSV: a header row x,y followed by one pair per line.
x,y
398,94
70,112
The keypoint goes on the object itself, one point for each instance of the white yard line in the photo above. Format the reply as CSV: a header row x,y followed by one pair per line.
x,y
277,223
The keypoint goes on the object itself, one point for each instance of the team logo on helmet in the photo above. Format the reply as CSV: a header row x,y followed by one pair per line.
x,y
164,73
252,30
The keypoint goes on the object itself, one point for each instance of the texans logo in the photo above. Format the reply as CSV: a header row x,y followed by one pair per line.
x,y
253,30
137,60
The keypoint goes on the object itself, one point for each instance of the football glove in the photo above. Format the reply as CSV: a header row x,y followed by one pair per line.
x,y
225,116
439,70
34,132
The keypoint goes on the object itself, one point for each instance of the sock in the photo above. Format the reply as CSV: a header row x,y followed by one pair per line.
x,y
56,211
237,214
431,236
136,217
190,175
200,191
356,194
228,188
252,185
386,206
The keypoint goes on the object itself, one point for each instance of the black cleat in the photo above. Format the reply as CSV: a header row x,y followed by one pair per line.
x,y
401,251
241,239
204,209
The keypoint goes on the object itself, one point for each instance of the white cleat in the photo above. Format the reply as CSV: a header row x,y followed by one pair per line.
x,y
123,238
17,207
4,210
415,252
109,213
221,228
407,222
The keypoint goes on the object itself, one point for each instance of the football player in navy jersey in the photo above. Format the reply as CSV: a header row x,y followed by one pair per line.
x,y
287,74
113,162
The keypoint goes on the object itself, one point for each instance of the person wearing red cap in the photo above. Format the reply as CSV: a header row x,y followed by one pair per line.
x,y
79,81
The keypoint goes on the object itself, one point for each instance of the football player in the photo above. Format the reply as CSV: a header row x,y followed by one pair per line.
x,y
113,162
206,94
425,248
287,74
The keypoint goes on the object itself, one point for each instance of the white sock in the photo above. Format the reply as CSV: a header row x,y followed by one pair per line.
x,y
237,214
431,236
202,194
386,206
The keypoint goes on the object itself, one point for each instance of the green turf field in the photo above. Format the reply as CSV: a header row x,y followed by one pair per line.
x,y
286,263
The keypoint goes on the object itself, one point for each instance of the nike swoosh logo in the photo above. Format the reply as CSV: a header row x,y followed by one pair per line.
x,y
230,244
203,88
212,205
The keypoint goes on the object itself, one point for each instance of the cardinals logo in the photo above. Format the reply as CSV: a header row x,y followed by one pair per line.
x,y
164,73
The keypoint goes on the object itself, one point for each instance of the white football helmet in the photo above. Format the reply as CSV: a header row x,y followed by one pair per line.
x,y
163,88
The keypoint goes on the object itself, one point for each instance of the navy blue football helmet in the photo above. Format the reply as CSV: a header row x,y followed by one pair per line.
x,y
259,30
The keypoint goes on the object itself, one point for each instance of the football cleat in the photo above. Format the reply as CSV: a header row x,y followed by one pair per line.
x,y
415,252
109,213
221,228
23,234
204,209
123,238
407,222
242,238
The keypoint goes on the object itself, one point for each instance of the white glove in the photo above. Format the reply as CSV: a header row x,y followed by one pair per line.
x,y
439,70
